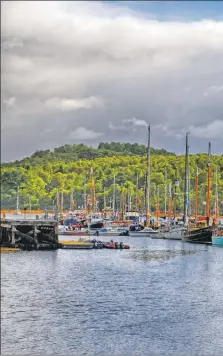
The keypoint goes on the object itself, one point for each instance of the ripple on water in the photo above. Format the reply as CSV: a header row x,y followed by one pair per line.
x,y
160,297
156,255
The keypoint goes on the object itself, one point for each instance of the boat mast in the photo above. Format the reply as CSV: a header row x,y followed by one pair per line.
x,y
170,201
92,190
57,204
58,198
85,196
186,182
175,195
104,201
121,202
216,195
165,186
130,200
157,206
196,194
62,202
148,179
114,186
137,187
17,201
208,203
71,200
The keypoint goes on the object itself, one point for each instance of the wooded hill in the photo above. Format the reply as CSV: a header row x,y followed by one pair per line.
x,y
68,167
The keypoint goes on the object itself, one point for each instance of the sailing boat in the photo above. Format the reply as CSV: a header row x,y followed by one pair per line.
x,y
139,230
173,231
17,211
203,234
95,218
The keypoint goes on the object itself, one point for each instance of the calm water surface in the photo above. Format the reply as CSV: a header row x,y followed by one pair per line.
x,y
160,297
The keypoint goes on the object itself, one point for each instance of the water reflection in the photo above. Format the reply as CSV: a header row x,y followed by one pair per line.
x,y
152,255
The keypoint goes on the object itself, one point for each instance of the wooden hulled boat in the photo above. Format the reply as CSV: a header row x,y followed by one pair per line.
x,y
199,235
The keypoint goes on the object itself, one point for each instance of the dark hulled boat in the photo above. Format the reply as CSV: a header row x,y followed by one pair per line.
x,y
199,235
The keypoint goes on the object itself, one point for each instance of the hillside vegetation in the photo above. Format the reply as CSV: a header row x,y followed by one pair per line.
x,y
68,168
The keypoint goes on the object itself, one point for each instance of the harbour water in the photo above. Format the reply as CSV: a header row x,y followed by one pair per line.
x,y
160,297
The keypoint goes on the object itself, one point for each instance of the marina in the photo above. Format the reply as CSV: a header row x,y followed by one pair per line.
x,y
111,216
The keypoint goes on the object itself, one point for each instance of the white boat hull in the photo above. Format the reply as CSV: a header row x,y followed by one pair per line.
x,y
142,233
169,235
106,233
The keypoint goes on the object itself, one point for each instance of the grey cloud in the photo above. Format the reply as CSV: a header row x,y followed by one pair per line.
x,y
70,69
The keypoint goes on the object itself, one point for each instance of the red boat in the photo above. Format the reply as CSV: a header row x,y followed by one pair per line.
x,y
116,245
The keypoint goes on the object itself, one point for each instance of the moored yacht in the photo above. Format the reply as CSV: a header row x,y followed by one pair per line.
x,y
140,231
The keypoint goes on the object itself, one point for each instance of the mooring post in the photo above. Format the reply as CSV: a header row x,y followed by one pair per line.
x,y
35,232
56,231
13,235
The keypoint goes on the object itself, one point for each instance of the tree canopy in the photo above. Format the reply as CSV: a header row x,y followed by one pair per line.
x,y
67,169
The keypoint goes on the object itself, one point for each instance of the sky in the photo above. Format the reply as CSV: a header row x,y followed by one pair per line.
x,y
90,72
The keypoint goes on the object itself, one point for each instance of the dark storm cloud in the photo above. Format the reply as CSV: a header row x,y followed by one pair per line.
x,y
77,73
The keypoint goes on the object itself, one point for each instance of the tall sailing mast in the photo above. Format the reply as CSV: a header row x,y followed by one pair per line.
x,y
170,201
148,178
137,189
208,203
175,195
85,196
165,187
196,195
216,196
71,200
157,205
17,201
114,193
186,182
61,202
93,197
104,201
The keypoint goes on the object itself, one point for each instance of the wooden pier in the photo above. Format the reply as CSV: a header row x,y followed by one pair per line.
x,y
29,234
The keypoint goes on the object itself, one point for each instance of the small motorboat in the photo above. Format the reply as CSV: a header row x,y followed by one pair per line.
x,y
116,245
97,244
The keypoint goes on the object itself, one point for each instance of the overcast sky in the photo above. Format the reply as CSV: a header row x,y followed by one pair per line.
x,y
87,72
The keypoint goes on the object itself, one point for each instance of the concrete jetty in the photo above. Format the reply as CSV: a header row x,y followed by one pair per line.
x,y
29,234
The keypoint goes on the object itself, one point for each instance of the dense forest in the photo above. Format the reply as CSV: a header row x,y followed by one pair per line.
x,y
67,170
